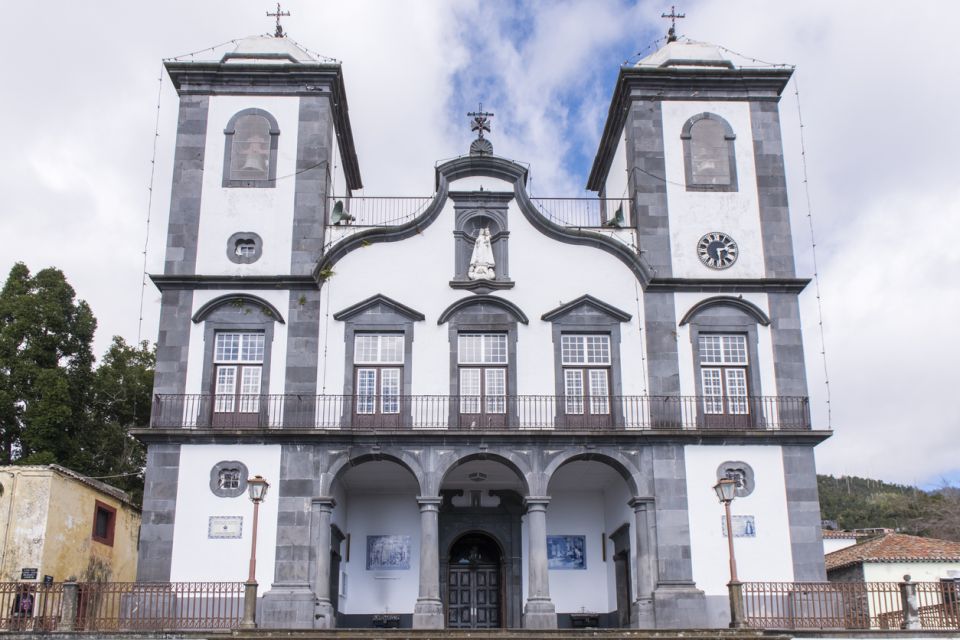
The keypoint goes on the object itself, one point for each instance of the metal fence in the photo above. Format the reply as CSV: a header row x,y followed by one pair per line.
x,y
371,211
847,605
489,413
120,606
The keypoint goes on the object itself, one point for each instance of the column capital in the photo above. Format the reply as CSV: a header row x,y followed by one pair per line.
x,y
323,501
540,502
640,503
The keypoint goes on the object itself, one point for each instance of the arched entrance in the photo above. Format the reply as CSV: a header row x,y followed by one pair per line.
x,y
475,583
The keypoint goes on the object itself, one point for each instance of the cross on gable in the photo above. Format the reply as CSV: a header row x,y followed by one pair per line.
x,y
481,121
278,14
673,15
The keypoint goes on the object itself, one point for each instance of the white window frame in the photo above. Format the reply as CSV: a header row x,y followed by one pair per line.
x,y
242,362
724,373
583,356
488,361
385,361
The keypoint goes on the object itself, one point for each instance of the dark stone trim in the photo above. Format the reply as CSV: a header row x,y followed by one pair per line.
x,y
303,346
259,56
803,513
515,437
463,303
187,188
729,285
215,479
378,299
663,359
270,181
646,181
244,236
790,367
727,301
589,300
749,479
482,286
657,84
729,136
173,342
301,79
161,479
192,282
772,190
311,187
237,300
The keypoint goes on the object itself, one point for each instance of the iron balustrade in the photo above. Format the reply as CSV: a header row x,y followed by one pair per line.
x,y
472,413
376,211
30,606
583,212
847,605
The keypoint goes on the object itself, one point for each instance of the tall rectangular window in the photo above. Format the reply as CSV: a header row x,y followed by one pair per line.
x,y
585,359
723,373
378,361
238,372
482,371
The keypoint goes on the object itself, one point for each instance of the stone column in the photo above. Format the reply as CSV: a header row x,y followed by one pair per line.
x,y
539,612
324,615
645,545
428,612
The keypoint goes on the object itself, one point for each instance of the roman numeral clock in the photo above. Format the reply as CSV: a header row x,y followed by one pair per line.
x,y
717,250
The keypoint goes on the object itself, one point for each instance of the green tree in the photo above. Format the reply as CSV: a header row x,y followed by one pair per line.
x,y
120,397
45,367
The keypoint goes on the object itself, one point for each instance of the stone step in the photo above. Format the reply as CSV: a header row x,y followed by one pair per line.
x,y
505,634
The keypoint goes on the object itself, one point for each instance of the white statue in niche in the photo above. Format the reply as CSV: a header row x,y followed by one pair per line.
x,y
481,260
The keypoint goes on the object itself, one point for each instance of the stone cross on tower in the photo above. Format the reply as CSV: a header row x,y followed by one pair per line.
x,y
278,14
481,122
673,15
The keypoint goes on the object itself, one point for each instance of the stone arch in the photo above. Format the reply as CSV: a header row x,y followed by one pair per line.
x,y
515,312
237,300
340,466
613,459
521,467
740,304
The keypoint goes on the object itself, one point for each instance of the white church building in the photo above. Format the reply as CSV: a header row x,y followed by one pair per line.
x,y
479,408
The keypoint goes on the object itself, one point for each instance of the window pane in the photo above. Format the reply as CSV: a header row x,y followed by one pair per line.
x,y
710,352
710,160
390,390
573,390
364,349
252,347
571,349
470,348
496,388
598,349
226,387
735,349
469,390
250,389
391,349
227,347
712,390
366,390
250,150
495,349
737,390
599,392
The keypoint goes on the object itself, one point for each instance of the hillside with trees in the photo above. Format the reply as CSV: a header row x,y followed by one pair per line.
x,y
861,503
55,405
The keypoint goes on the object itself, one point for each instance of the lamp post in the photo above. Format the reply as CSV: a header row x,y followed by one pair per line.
x,y
726,489
257,487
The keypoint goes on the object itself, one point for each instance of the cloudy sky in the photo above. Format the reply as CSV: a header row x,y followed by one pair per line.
x,y
876,85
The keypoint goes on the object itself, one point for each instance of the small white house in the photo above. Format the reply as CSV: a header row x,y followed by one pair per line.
x,y
891,556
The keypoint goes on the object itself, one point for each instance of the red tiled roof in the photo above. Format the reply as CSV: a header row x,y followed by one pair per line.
x,y
833,534
895,547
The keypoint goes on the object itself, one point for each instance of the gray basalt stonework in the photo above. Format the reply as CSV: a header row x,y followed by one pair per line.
x,y
647,182
803,513
188,162
159,510
789,366
173,342
772,190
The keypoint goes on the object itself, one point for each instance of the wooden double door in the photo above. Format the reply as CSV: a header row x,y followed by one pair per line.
x,y
474,596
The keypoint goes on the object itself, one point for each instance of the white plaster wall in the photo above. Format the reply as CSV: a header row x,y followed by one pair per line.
x,y
265,211
416,272
835,544
580,513
616,185
381,591
765,558
278,350
694,213
685,301
195,557
918,571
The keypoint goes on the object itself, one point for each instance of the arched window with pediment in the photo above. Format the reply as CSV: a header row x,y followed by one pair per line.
x,y
250,149
709,160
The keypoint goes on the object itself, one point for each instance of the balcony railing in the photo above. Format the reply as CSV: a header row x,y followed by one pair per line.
x,y
471,413
373,211
585,212
849,605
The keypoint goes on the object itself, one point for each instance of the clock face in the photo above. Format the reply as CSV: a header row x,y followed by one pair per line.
x,y
717,250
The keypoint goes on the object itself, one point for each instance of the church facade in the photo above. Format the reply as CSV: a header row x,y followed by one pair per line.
x,y
478,408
